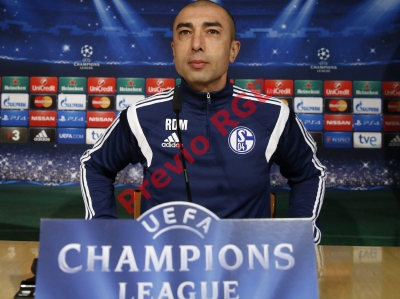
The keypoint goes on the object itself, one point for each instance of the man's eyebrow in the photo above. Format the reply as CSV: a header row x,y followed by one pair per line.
x,y
205,24
180,25
212,24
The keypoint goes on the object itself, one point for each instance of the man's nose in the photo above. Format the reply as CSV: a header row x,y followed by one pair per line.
x,y
198,42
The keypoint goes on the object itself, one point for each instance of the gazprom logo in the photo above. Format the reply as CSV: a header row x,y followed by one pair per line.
x,y
241,140
308,105
367,106
71,101
14,100
125,101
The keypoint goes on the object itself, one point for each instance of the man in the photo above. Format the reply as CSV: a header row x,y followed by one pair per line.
x,y
231,136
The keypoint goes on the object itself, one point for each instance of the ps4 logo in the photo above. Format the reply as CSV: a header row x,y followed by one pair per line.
x,y
367,123
14,118
17,117
312,122
71,118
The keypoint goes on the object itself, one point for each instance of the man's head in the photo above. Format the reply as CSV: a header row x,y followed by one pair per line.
x,y
204,44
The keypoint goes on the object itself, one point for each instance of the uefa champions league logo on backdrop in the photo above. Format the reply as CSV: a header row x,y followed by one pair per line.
x,y
87,51
323,66
86,64
323,54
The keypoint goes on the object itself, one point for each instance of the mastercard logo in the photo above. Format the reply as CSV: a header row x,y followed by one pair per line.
x,y
43,101
338,105
394,106
101,102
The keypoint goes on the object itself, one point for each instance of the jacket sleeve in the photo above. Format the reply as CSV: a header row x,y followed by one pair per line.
x,y
296,156
99,166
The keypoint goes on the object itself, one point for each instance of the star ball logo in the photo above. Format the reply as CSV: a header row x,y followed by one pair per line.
x,y
241,140
87,51
86,64
323,55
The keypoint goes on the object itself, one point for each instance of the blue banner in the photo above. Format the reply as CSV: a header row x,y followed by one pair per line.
x,y
177,250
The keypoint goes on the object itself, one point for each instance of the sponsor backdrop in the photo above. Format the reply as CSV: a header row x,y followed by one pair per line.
x,y
64,79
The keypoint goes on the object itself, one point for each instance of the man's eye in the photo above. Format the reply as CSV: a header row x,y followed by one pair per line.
x,y
213,31
184,32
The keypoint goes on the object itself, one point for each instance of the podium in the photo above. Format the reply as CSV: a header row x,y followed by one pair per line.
x,y
177,250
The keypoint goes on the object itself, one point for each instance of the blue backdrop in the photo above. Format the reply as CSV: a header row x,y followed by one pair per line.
x,y
306,42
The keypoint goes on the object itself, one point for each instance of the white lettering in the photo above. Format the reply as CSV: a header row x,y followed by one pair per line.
x,y
285,256
104,258
151,256
62,263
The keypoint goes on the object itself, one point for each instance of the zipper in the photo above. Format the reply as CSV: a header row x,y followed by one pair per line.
x,y
208,118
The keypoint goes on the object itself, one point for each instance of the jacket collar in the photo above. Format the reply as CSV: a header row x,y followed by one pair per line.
x,y
199,99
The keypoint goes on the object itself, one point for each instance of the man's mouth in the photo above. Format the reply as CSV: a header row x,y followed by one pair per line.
x,y
197,64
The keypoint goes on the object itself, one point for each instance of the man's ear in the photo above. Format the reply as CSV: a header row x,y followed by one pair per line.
x,y
173,50
235,47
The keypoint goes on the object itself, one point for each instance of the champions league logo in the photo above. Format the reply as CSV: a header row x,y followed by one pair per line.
x,y
323,66
241,140
323,54
86,64
163,219
87,51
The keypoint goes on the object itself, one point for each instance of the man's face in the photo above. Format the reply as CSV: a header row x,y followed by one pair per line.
x,y
202,46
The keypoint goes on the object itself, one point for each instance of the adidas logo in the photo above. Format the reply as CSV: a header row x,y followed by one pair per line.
x,y
42,136
395,141
171,141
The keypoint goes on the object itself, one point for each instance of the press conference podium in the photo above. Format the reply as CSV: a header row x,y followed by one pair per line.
x,y
177,250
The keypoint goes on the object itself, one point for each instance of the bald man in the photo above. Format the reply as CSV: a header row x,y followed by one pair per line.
x,y
232,136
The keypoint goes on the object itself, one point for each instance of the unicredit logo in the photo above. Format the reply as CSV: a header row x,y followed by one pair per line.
x,y
101,89
338,92
45,88
392,93
156,89
278,91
